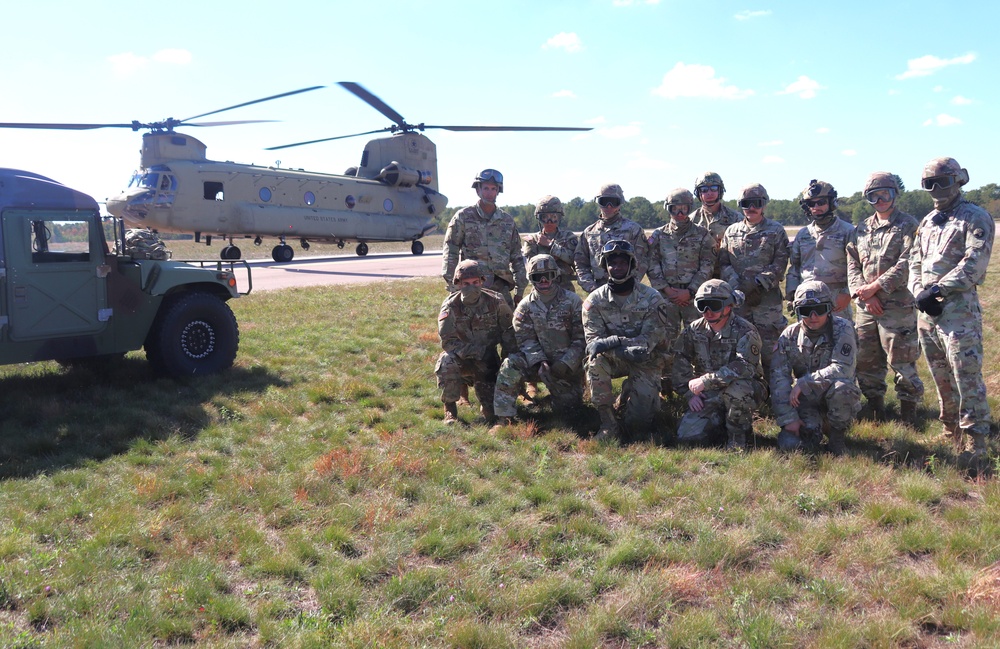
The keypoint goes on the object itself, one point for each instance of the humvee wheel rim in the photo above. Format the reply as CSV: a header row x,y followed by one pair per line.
x,y
198,339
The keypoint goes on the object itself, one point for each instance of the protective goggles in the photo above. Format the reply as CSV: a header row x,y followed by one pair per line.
x,y
817,202
547,275
617,246
676,210
608,201
708,188
709,304
752,203
490,176
812,309
549,217
939,182
884,195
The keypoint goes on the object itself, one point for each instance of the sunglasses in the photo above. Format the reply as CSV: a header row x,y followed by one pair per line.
x,y
538,277
709,304
940,182
876,195
709,188
817,202
676,210
752,203
812,309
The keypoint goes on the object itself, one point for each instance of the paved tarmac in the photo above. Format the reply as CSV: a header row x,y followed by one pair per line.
x,y
346,269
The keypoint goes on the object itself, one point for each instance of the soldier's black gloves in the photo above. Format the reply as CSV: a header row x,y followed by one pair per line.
x,y
752,292
561,370
929,301
634,354
602,345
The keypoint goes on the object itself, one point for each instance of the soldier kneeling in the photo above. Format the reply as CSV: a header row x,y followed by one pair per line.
x,y
550,343
717,369
812,374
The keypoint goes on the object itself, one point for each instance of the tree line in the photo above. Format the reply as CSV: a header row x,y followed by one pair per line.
x,y
578,212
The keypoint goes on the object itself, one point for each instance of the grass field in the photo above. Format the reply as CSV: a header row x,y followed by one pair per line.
x,y
311,497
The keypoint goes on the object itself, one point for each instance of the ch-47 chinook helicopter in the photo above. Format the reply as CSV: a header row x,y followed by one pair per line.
x,y
392,195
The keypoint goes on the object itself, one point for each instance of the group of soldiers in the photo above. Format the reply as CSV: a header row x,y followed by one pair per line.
x,y
710,328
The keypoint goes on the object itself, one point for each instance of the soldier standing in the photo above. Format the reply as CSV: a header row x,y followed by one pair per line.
x,y
878,257
947,264
681,258
472,322
486,233
812,373
717,369
611,226
548,326
819,251
753,258
624,322
551,240
713,215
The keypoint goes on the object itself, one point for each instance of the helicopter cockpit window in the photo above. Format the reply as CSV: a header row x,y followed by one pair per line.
x,y
150,180
60,241
213,191
309,198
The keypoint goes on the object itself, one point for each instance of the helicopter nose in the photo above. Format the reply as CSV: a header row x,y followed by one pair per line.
x,y
116,205
132,205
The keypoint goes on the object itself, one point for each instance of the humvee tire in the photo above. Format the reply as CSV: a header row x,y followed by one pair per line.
x,y
195,333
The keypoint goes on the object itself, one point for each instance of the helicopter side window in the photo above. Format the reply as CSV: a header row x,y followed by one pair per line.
x,y
60,241
213,191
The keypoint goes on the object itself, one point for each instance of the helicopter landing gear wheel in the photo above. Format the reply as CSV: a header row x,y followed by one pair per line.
x,y
282,253
417,248
362,249
230,252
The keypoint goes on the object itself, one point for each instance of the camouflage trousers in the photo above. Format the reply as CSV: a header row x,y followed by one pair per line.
x,y
452,372
640,395
678,317
769,318
836,406
953,345
887,341
729,410
566,394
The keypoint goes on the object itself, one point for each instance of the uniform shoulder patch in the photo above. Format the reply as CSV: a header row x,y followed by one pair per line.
x,y
846,349
586,305
663,313
444,314
755,350
979,233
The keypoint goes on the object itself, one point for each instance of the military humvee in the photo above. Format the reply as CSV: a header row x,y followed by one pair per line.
x,y
70,290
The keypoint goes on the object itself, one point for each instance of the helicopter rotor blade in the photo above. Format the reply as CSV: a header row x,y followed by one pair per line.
x,y
373,101
507,128
255,101
328,139
64,127
231,122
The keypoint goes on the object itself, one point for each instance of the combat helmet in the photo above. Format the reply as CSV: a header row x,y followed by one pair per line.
x,y
548,205
818,189
709,178
812,294
611,190
940,169
614,248
543,266
467,270
489,176
714,290
881,180
679,196
752,192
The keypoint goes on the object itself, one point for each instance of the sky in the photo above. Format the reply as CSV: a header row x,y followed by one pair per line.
x,y
771,91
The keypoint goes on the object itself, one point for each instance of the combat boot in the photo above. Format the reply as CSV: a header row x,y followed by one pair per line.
x,y
737,440
501,422
876,408
484,392
908,411
952,435
609,425
451,413
463,396
835,445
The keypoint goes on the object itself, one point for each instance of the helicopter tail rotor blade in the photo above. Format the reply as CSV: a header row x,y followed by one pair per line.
x,y
255,101
373,101
328,139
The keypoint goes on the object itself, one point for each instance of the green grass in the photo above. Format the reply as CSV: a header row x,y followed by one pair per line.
x,y
311,497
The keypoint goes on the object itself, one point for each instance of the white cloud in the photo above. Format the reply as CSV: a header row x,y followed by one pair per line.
x,y
937,89
697,81
893,91
596,120
568,41
568,94
804,87
620,132
823,130
177,57
849,152
927,65
942,120
959,100
771,143
772,159
127,63
747,14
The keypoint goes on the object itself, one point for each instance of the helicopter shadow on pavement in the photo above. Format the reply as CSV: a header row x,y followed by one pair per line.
x,y
55,421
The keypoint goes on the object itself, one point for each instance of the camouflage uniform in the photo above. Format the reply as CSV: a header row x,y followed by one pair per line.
x,y
820,254
823,365
562,248
640,318
548,332
716,224
469,335
758,253
952,251
592,240
493,241
880,250
729,363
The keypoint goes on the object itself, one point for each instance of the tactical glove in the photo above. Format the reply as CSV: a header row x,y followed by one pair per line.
x,y
928,301
602,345
634,354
